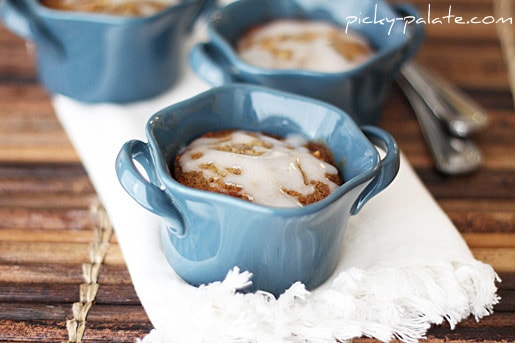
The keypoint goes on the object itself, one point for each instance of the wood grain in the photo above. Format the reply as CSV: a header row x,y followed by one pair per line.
x,y
47,226
41,272
470,55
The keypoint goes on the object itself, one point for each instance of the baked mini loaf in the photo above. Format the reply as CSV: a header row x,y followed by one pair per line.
x,y
258,167
302,44
112,7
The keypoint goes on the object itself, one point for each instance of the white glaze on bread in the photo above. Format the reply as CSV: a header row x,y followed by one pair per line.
x,y
257,167
299,44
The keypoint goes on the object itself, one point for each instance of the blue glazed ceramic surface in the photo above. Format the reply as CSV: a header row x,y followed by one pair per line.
x,y
206,234
361,91
101,58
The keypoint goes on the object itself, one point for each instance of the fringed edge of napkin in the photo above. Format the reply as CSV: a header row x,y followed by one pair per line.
x,y
384,303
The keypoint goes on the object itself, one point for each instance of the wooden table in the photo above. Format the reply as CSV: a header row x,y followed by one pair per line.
x,y
50,221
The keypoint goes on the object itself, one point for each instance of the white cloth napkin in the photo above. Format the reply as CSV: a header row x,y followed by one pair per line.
x,y
404,265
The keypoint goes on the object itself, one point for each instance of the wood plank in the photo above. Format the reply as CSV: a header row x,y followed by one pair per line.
x,y
109,313
117,294
41,272
47,185
492,240
17,66
482,206
482,222
508,281
116,332
54,236
18,119
498,327
24,93
495,328
464,67
33,331
56,293
25,311
33,139
506,8
42,154
17,58
15,109
451,48
30,117
114,274
42,293
44,252
507,303
49,201
501,259
40,218
114,255
493,101
488,184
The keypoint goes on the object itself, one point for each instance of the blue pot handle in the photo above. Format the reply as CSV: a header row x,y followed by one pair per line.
x,y
18,17
204,10
416,32
388,165
21,18
145,191
206,61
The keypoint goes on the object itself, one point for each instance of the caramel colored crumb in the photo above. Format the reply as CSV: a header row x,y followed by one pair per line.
x,y
320,151
212,167
219,134
196,179
235,171
321,191
196,155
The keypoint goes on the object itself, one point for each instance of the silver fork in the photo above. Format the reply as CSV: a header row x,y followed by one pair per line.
x,y
461,115
452,154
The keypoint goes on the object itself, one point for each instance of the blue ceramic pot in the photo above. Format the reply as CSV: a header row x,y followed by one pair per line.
x,y
361,91
206,234
94,57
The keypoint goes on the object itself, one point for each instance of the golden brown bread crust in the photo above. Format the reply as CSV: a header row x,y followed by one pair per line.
x,y
129,8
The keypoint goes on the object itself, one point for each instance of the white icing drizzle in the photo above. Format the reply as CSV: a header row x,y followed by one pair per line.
x,y
296,44
112,7
271,166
